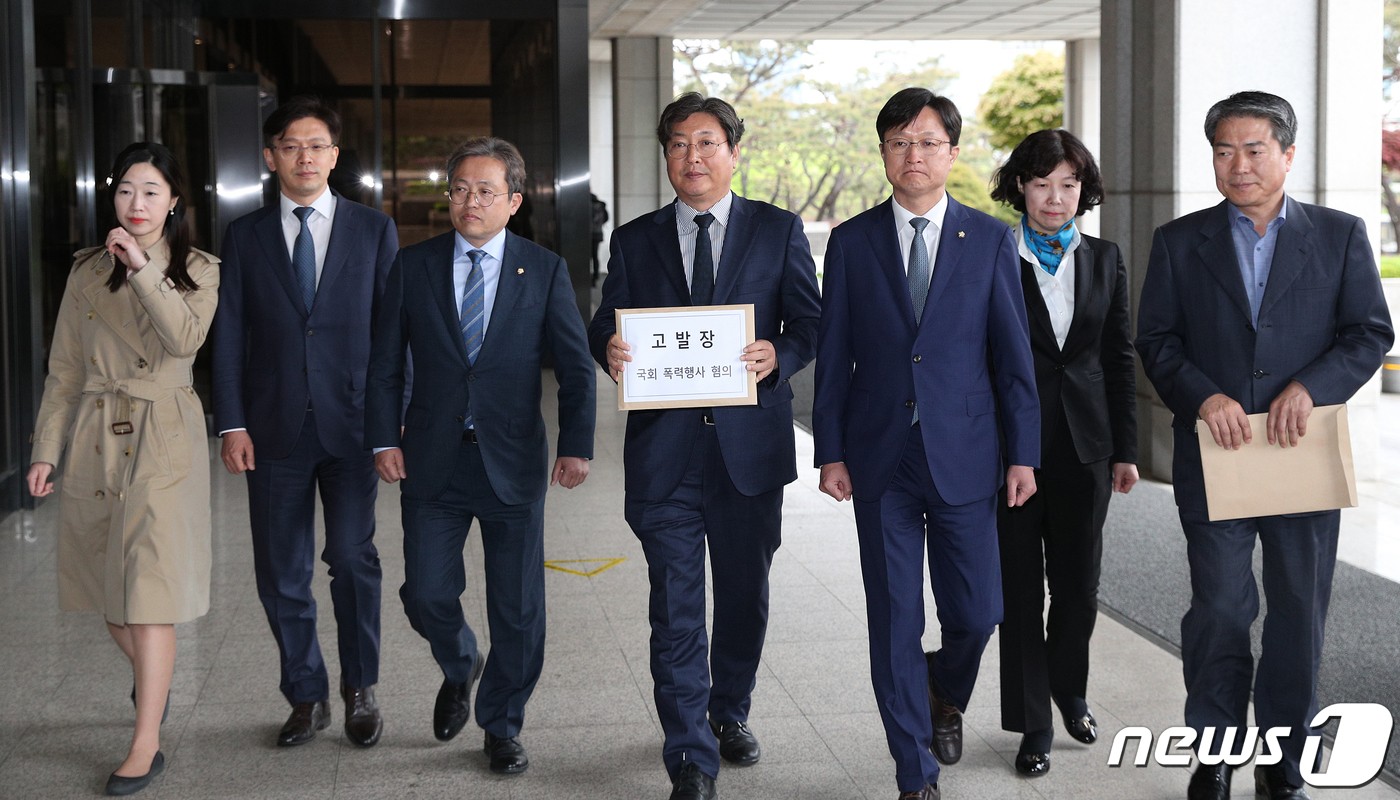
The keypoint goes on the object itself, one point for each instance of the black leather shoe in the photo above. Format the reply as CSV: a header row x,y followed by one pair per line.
x,y
737,744
363,722
1270,784
1209,783
305,720
507,755
947,723
929,792
692,784
1032,765
454,704
118,785
1083,729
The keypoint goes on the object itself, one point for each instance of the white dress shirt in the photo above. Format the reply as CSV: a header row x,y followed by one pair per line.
x,y
1057,289
490,271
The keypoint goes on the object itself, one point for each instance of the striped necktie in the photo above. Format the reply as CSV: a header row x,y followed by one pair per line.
x,y
473,316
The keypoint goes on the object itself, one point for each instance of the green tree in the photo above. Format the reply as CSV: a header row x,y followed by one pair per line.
x,y
810,146
1024,99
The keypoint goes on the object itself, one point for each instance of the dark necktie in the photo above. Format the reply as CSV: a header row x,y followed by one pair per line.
x,y
702,272
304,258
473,315
918,268
918,276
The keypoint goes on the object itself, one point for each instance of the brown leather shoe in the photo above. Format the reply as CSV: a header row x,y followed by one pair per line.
x,y
363,722
929,792
305,720
947,723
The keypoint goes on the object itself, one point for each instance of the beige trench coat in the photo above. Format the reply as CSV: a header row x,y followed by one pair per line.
x,y
134,528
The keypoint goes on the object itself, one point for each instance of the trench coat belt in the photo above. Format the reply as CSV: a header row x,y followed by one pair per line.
x,y
150,389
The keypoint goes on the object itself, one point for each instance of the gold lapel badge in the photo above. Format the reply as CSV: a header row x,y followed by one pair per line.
x,y
519,270
962,234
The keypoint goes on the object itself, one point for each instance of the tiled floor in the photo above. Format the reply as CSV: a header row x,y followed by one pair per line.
x,y
591,729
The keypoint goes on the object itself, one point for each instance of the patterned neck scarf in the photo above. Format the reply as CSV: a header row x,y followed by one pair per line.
x,y
1049,250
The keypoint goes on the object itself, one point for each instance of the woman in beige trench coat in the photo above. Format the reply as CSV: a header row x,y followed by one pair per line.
x,y
134,523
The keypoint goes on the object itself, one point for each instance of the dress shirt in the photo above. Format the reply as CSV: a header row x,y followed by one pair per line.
x,y
1057,289
686,230
495,251
1255,253
319,223
906,232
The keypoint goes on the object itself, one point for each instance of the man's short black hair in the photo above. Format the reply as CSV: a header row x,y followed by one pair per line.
x,y
906,104
300,107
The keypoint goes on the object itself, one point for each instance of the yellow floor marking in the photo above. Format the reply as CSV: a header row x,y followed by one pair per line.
x,y
603,564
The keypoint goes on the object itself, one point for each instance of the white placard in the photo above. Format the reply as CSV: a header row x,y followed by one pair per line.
x,y
686,357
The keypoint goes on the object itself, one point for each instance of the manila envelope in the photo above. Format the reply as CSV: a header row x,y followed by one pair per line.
x,y
1262,480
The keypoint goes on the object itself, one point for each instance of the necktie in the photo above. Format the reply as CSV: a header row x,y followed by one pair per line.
x,y
918,268
304,259
702,272
473,315
918,276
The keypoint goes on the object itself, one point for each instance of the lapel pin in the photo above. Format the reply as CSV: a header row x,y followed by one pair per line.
x,y
519,270
962,234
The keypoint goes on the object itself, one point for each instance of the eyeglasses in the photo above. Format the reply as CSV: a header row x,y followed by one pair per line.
x,y
703,148
901,146
458,195
294,150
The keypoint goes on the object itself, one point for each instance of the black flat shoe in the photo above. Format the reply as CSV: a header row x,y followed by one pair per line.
x,y
1032,765
1083,729
363,722
692,784
118,785
453,706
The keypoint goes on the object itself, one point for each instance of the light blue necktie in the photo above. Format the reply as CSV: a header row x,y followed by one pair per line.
x,y
918,276
304,258
473,316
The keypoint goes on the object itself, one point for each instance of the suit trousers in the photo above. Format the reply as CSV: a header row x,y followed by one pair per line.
x,y
282,511
742,533
512,542
1055,537
1300,553
966,580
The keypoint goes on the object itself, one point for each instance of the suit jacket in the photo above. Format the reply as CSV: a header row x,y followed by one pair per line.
x,y
272,358
535,311
1091,380
765,261
967,364
1323,320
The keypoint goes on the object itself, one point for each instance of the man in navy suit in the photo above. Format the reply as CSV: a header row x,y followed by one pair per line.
x,y
291,344
479,308
925,401
1258,304
698,478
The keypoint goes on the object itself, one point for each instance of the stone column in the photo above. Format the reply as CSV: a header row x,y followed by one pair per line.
x,y
642,86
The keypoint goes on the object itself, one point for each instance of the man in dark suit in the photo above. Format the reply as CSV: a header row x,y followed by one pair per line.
x,y
1259,304
291,344
479,308
710,478
925,400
